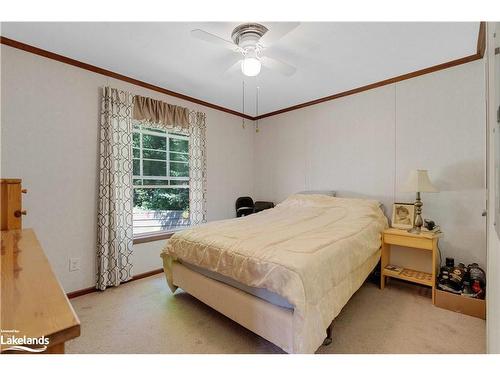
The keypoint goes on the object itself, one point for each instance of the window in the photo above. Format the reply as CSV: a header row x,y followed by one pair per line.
x,y
160,179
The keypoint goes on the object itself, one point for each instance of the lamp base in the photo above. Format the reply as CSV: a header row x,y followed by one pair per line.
x,y
415,230
417,226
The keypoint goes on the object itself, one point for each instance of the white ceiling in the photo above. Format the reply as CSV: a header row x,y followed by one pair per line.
x,y
330,57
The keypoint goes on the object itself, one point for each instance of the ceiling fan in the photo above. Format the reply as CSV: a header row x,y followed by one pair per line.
x,y
252,41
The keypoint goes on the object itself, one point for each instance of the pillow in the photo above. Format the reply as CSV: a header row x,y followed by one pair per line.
x,y
330,193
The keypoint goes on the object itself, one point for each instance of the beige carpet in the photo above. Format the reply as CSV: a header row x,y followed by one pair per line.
x,y
145,317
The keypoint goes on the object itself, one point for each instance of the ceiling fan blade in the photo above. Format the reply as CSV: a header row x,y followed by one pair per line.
x,y
214,39
280,66
277,32
233,69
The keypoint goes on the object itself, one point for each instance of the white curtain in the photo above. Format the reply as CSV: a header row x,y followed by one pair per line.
x,y
115,237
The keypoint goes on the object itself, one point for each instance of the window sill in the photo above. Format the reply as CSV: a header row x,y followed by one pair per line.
x,y
151,237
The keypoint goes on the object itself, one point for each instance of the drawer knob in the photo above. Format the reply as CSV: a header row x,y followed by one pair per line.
x,y
18,213
24,191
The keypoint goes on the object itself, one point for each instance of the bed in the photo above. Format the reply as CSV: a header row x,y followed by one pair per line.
x,y
284,273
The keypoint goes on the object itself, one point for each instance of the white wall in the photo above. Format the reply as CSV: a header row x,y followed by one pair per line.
x,y
366,144
360,145
50,137
493,275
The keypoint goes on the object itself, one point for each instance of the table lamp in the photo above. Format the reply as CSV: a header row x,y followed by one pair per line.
x,y
418,182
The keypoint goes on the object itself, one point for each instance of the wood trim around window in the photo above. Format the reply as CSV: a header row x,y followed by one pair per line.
x,y
152,237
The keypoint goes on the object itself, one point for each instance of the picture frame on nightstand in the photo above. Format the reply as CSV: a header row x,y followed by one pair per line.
x,y
403,215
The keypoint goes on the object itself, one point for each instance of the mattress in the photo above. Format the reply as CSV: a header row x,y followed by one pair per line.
x,y
300,250
262,293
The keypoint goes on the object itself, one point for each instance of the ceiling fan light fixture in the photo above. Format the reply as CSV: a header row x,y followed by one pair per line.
x,y
250,66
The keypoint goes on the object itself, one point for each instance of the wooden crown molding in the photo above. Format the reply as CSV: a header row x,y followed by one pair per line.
x,y
371,86
481,39
109,73
481,47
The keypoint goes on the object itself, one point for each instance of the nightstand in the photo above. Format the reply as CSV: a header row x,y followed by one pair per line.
x,y
425,241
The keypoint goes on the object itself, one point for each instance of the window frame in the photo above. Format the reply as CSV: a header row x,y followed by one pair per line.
x,y
167,134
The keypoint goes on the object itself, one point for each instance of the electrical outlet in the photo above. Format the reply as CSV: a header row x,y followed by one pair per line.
x,y
74,264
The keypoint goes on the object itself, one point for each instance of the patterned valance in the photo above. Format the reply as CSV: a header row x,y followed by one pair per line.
x,y
158,112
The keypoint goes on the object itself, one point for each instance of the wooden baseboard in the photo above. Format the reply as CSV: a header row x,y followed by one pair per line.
x,y
92,289
81,292
147,274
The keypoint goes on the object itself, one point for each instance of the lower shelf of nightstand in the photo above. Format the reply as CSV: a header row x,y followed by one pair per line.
x,y
414,276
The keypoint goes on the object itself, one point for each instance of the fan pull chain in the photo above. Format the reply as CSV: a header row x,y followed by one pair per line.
x,y
243,104
257,109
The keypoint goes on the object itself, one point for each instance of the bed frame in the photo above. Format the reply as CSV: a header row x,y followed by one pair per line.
x,y
274,323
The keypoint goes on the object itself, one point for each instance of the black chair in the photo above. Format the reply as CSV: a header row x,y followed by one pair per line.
x,y
262,205
244,206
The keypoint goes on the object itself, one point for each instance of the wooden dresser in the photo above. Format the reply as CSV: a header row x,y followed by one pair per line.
x,y
33,306
11,203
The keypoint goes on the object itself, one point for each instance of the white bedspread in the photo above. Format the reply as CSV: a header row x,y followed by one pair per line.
x,y
301,249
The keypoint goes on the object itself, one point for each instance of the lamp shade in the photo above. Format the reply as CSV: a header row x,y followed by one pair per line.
x,y
418,181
